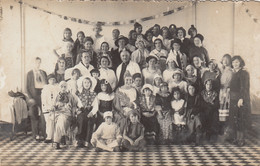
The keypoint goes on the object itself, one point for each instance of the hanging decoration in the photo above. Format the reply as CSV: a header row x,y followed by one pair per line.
x,y
256,20
116,23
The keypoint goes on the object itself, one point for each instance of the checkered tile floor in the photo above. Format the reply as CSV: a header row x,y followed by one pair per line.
x,y
23,150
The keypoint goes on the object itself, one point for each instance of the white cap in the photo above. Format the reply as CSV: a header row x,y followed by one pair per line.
x,y
107,114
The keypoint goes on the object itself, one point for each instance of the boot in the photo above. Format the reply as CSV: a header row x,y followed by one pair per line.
x,y
58,146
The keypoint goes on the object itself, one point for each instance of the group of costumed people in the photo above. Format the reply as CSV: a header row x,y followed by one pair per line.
x,y
119,93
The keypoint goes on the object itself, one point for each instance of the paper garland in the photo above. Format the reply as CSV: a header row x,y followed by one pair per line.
x,y
256,20
116,23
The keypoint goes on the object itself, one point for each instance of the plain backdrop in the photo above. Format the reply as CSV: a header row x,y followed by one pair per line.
x,y
226,26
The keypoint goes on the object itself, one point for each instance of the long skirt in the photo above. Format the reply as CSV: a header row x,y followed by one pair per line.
x,y
62,123
166,127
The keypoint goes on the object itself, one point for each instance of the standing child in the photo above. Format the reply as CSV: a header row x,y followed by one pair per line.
x,y
193,115
133,137
107,137
103,101
67,33
209,106
178,106
148,117
163,107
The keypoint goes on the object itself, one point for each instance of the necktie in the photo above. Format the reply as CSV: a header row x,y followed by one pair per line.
x,y
178,60
121,78
38,76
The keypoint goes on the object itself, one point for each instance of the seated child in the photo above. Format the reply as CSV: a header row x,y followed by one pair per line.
x,y
133,137
107,137
147,108
178,106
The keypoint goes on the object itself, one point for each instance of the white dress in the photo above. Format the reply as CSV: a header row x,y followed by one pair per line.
x,y
177,105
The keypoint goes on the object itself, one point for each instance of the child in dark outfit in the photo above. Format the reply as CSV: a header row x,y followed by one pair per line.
x,y
133,137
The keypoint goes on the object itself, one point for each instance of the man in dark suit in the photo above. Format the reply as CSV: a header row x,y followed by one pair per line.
x,y
121,44
36,79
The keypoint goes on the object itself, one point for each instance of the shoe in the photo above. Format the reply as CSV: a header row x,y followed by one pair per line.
x,y
41,138
58,146
47,141
87,144
241,143
117,149
63,140
98,150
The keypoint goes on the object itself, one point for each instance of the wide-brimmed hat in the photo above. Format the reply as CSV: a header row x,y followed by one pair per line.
x,y
80,81
147,86
151,57
121,37
177,71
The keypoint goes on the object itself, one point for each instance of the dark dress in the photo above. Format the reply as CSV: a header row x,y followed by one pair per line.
x,y
193,115
150,123
76,50
104,105
185,46
239,118
209,112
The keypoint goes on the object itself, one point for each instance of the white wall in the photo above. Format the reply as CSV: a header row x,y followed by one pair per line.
x,y
43,31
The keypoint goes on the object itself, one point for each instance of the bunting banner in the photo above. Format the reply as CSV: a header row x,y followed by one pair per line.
x,y
115,23
256,20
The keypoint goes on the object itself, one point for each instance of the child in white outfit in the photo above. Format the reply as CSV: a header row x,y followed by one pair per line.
x,y
107,137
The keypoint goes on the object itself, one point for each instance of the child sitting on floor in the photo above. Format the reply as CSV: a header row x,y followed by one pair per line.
x,y
107,137
133,137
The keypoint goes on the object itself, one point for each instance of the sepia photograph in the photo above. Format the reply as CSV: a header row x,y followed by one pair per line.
x,y
129,82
